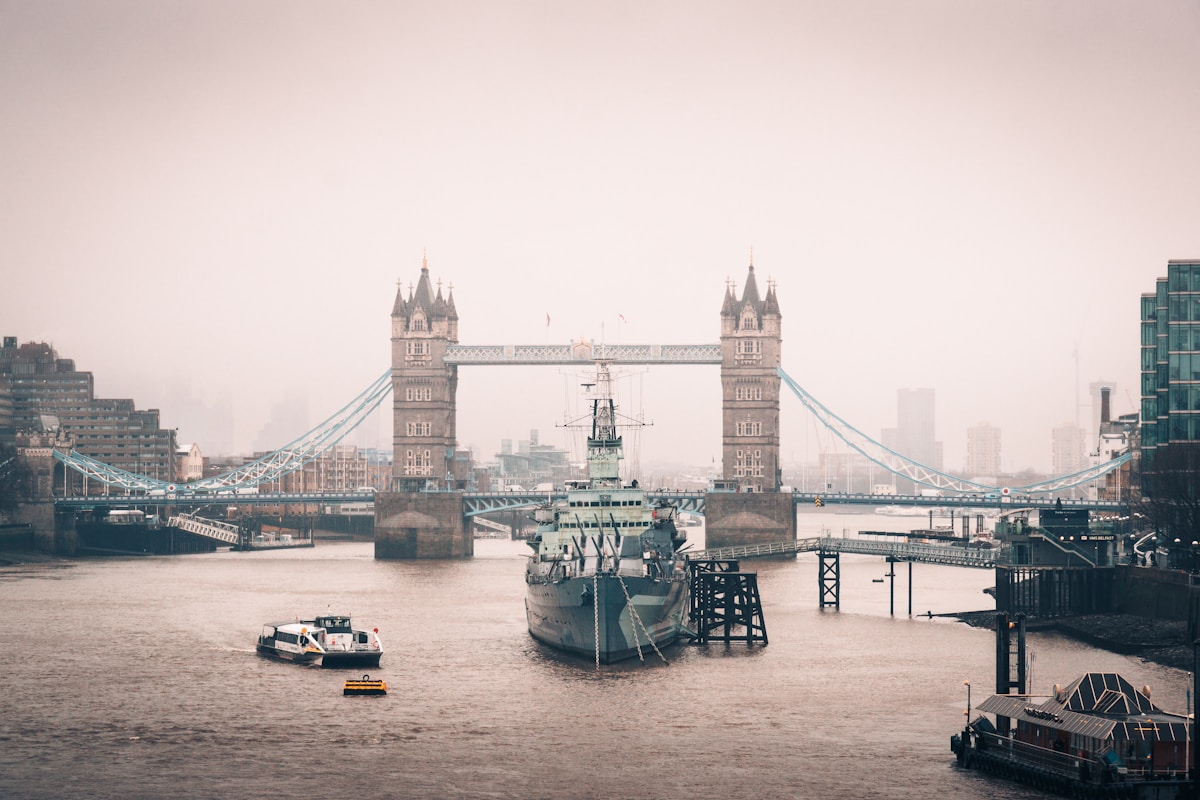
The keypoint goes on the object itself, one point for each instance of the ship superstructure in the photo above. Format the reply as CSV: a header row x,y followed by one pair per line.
x,y
604,580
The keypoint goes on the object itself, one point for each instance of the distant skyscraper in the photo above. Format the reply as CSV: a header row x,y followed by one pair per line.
x,y
983,451
913,435
1170,339
1069,451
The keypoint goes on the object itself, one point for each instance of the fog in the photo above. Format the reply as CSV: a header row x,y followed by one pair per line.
x,y
210,205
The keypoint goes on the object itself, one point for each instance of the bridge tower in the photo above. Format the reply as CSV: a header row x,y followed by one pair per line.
x,y
751,340
755,512
411,522
423,387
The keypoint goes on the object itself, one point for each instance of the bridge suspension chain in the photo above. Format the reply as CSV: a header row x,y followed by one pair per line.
x,y
927,476
262,470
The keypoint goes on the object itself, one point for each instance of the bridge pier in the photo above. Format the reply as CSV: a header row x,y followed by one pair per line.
x,y
412,525
733,519
53,530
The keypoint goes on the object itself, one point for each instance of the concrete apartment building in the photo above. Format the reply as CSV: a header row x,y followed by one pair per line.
x,y
983,451
47,393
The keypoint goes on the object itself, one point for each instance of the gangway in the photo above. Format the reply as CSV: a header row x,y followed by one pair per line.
x,y
211,528
830,549
951,555
484,522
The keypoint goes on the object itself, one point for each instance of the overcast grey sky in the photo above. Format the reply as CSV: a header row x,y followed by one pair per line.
x,y
209,204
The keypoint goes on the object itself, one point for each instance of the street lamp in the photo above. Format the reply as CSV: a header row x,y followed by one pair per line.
x,y
967,713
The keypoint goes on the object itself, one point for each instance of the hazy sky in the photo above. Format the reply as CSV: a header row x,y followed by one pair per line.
x,y
209,204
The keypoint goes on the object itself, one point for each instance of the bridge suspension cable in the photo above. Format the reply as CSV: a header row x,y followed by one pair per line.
x,y
262,470
927,476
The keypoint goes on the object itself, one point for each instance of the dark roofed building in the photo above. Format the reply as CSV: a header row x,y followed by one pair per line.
x,y
1098,719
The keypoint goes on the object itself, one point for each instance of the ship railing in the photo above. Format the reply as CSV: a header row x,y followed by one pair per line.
x,y
1068,764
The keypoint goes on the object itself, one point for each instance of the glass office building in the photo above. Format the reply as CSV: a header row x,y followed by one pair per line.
x,y
1171,362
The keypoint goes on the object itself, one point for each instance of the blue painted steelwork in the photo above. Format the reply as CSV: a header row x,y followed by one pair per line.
x,y
268,468
993,500
224,497
474,503
905,467
583,352
310,446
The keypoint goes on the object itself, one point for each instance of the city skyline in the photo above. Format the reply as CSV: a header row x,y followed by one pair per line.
x,y
210,207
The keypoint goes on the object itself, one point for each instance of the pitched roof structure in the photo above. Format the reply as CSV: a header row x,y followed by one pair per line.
x,y
423,297
733,307
1098,704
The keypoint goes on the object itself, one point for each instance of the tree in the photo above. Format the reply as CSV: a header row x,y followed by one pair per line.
x,y
1172,489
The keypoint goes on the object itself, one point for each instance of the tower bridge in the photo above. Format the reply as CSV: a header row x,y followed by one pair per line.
x,y
425,512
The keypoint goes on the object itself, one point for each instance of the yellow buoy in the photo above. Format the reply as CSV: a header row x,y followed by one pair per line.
x,y
364,686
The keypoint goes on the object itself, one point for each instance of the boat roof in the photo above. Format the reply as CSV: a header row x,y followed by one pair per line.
x,y
1097,704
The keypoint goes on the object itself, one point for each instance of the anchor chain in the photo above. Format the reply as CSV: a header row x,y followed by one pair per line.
x,y
637,620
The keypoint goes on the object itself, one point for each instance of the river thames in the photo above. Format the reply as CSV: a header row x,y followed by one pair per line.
x,y
138,678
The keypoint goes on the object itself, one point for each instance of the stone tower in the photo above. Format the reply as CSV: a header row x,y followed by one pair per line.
x,y
750,353
423,387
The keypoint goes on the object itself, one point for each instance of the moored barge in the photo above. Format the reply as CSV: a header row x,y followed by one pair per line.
x,y
1097,737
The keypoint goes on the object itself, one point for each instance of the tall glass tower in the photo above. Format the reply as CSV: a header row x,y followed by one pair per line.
x,y
1170,363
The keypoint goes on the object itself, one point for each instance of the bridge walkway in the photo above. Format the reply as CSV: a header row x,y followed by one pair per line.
x,y
950,555
213,529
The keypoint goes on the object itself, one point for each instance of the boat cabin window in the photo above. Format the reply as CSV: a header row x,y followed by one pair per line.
x,y
334,624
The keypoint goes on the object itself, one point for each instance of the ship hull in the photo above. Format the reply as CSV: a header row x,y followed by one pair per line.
x,y
567,615
350,660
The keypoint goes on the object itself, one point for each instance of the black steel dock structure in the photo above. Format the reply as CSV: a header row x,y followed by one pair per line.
x,y
829,550
725,605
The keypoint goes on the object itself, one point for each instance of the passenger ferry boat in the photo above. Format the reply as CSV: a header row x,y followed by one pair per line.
x,y
328,641
605,580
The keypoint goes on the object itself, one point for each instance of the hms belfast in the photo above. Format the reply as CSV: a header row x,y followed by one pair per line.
x,y
605,580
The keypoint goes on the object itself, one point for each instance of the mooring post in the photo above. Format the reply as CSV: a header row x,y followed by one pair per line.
x,y
910,588
892,584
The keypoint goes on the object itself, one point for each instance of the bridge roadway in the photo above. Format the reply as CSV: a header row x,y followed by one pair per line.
x,y
948,554
221,498
692,501
688,501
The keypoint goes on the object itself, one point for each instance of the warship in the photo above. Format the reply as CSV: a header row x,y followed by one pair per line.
x,y
605,579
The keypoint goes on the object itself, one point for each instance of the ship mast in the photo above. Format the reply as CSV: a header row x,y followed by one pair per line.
x,y
604,450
